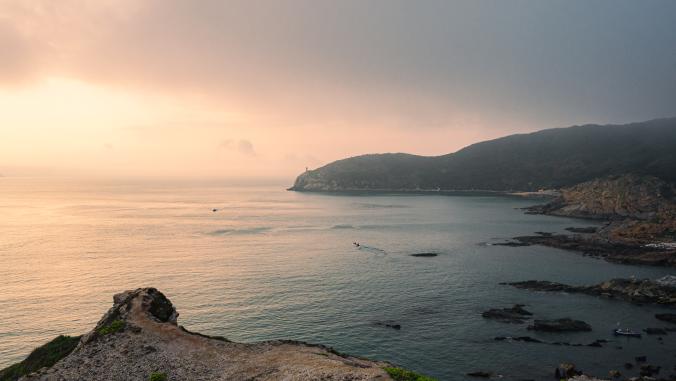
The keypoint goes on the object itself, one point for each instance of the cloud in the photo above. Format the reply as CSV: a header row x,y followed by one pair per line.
x,y
407,64
319,78
243,146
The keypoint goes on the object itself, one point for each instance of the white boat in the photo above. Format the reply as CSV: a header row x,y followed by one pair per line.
x,y
626,332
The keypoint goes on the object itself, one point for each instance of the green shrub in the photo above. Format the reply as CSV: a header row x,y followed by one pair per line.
x,y
113,327
44,356
158,376
400,374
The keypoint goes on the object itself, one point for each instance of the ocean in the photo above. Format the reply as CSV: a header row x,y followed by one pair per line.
x,y
273,264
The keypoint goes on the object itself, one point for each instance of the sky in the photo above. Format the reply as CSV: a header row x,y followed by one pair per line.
x,y
250,89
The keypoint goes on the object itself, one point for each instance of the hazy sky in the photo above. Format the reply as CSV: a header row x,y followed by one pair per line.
x,y
265,88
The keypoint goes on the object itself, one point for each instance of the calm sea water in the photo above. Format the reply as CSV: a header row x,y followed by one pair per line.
x,y
275,264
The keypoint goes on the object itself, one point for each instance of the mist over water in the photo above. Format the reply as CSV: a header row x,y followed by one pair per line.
x,y
272,264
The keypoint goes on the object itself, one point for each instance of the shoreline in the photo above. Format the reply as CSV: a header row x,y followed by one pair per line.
x,y
431,192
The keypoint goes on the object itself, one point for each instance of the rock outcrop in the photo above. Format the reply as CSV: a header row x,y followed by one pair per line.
x,y
638,291
641,220
560,325
516,314
139,337
597,246
641,209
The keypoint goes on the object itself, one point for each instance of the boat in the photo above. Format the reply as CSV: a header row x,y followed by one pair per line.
x,y
626,332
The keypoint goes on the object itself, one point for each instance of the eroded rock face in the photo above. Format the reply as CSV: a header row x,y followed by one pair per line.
x,y
139,335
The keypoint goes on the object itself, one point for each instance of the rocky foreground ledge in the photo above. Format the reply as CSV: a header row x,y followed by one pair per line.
x,y
139,339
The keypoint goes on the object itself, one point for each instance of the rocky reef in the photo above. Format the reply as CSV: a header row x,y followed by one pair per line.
x,y
560,325
640,215
139,339
640,209
515,314
638,291
596,245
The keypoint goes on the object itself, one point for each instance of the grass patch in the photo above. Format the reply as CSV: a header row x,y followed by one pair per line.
x,y
44,356
158,376
400,374
113,327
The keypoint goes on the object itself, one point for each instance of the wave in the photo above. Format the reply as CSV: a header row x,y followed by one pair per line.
x,y
374,250
240,231
342,226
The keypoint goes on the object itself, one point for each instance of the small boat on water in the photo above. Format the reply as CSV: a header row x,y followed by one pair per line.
x,y
626,332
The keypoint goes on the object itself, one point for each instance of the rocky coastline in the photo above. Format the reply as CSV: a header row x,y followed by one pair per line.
x,y
139,339
639,215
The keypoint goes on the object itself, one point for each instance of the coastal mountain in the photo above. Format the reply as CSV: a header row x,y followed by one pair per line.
x,y
546,159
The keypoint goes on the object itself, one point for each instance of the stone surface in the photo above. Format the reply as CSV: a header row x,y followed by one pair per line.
x,y
560,325
515,314
148,339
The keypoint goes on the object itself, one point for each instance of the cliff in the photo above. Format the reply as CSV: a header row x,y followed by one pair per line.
x,y
546,159
139,339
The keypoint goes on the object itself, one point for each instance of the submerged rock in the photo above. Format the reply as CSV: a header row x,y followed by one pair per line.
x,y
585,230
388,324
526,339
512,244
424,254
649,370
480,374
671,318
560,325
655,331
565,370
515,314
140,336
